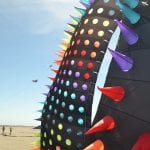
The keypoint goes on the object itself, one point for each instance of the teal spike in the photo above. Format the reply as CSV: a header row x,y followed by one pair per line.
x,y
85,1
133,16
41,103
131,3
81,11
76,19
40,111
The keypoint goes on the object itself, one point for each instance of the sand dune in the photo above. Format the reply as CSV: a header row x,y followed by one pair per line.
x,y
21,138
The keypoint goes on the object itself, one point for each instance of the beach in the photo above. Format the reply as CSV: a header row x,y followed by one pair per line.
x,y
21,138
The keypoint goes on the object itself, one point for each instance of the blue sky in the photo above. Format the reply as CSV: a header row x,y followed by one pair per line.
x,y
30,32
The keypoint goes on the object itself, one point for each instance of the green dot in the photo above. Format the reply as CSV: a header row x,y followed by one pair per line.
x,y
50,107
59,92
81,109
68,142
60,126
73,96
57,101
59,137
44,143
65,94
52,98
50,142
67,83
45,134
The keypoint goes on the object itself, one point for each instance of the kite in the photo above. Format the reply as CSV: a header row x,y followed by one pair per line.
x,y
100,96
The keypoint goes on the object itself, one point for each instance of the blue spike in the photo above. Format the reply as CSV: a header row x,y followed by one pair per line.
x,y
81,11
76,19
131,3
133,16
85,1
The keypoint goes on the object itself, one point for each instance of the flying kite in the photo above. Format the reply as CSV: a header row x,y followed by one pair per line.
x,y
100,96
35,81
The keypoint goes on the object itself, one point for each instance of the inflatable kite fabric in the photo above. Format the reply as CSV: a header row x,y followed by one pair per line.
x,y
100,97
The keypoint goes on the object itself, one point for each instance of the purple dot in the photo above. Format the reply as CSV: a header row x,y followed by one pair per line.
x,y
84,87
64,72
70,72
72,62
75,84
58,80
62,81
77,74
55,89
82,98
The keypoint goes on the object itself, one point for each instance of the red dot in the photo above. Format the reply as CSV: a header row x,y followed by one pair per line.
x,y
90,65
83,53
86,76
67,62
78,42
75,52
80,63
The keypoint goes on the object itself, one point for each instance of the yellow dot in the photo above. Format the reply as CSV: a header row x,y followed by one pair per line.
x,y
45,134
86,21
95,21
100,10
50,142
68,142
59,137
90,11
106,23
52,132
101,33
86,42
60,126
44,143
82,31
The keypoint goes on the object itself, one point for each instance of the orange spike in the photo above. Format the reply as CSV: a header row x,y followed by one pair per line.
x,y
36,148
97,145
107,123
54,70
58,62
51,78
60,54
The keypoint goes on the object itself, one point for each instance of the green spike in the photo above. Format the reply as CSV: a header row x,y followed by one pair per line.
x,y
40,110
80,11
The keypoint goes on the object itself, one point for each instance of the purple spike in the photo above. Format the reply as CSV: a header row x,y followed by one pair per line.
x,y
129,35
124,62
46,94
49,86
91,1
85,5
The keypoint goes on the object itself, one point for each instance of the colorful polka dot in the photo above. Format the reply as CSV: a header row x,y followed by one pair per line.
x,y
106,23
101,33
69,130
71,107
86,76
81,109
60,126
63,104
86,21
50,142
68,142
75,85
61,115
83,53
67,83
80,63
52,132
80,121
90,11
90,31
82,98
84,87
70,118
82,31
59,138
90,65
93,54
77,74
86,42
65,94
73,96
96,44
100,10
95,21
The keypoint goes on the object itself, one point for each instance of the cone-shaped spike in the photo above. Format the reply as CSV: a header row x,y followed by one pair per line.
x,y
116,93
36,148
107,123
55,71
64,46
143,142
39,111
80,11
131,3
48,86
124,62
68,33
46,94
60,55
72,26
75,20
97,145
41,103
51,78
133,16
129,35
39,119
58,62
85,1
85,5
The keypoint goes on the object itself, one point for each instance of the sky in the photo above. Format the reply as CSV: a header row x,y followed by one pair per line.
x,y
30,34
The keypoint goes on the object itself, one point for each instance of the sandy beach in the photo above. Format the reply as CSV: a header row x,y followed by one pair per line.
x,y
21,138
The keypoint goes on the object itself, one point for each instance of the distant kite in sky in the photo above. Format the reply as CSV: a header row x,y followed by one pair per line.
x,y
100,96
35,81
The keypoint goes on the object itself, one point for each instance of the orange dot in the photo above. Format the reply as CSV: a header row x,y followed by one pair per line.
x,y
93,55
82,31
97,44
75,52
80,63
90,65
83,53
86,42
90,32
86,76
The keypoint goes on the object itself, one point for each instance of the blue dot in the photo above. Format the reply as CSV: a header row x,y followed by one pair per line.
x,y
67,83
59,92
55,111
81,109
69,130
57,101
71,107
63,104
61,115
52,98
70,118
111,12
79,133
50,107
73,96
65,94
80,121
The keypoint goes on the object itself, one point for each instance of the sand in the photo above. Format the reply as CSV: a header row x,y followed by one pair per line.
x,y
21,138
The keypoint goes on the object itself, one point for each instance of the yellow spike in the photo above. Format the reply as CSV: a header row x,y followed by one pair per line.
x,y
36,143
37,134
65,45
72,29
68,35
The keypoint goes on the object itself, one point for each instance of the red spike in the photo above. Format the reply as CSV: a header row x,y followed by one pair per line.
x,y
116,93
51,78
107,123
36,148
143,142
58,62
97,145
55,71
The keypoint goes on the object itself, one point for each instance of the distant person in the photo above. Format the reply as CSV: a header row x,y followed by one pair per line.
x,y
3,130
10,129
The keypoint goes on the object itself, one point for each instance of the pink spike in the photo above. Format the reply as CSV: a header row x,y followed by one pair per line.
x,y
55,71
53,79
